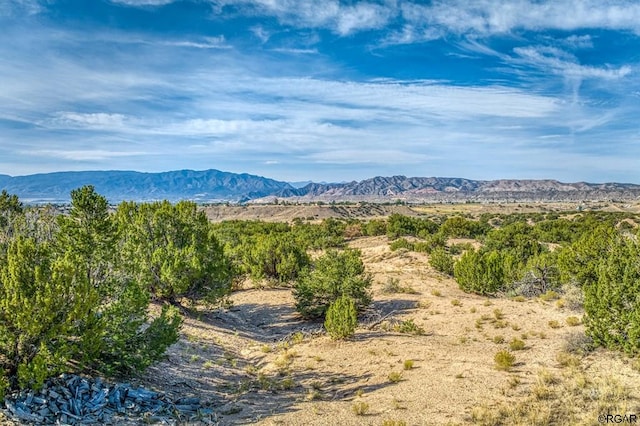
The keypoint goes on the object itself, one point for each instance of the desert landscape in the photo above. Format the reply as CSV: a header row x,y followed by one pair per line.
x,y
260,363
302,212
424,351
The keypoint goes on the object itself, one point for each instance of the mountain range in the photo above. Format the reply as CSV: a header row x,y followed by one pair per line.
x,y
217,186
200,186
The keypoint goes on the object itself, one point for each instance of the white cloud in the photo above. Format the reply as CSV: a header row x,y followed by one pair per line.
x,y
415,99
82,155
343,19
138,3
579,42
485,18
206,43
10,8
295,51
564,63
260,32
94,120
362,16
300,12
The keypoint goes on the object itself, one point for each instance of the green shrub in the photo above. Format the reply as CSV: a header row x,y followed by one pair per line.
x,y
65,305
10,209
441,261
612,312
173,250
375,227
458,227
333,275
399,225
431,242
5,385
408,327
481,273
341,318
276,257
401,243
580,261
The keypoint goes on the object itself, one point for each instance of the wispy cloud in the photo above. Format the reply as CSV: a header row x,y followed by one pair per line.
x,y
579,41
343,19
260,32
490,17
218,42
564,63
9,8
362,16
295,51
138,3
84,155
99,120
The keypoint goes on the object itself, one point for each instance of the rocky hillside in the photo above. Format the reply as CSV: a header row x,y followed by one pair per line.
x,y
416,189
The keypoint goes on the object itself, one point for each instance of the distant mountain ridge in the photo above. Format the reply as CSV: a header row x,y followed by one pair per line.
x,y
202,186
416,189
218,186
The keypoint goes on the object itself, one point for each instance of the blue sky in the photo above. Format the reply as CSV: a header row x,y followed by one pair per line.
x,y
321,89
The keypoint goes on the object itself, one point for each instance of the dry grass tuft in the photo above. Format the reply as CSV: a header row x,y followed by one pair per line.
x,y
504,360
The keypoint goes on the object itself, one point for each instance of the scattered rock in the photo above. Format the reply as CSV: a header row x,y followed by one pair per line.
x,y
75,400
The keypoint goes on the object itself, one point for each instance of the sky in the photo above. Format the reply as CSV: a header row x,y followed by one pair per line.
x,y
323,90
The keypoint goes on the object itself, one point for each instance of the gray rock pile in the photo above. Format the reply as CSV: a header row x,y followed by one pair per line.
x,y
75,400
